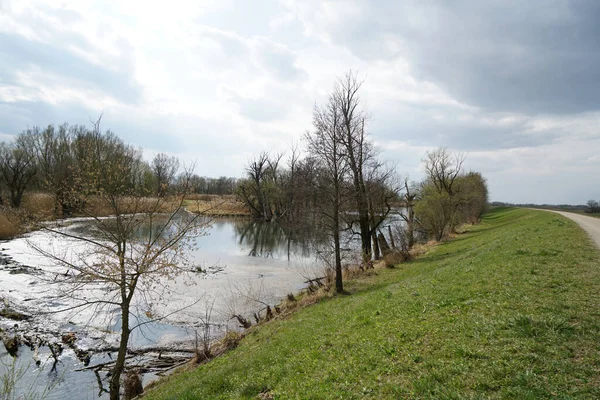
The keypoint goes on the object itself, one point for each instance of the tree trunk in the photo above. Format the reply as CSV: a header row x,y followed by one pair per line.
x,y
410,227
339,285
376,250
392,244
115,380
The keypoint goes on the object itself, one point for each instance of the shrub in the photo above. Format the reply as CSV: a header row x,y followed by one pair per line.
x,y
394,258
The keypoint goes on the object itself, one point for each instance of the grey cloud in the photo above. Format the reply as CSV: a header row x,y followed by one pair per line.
x,y
260,110
19,54
231,44
278,60
537,56
418,127
16,117
257,109
56,54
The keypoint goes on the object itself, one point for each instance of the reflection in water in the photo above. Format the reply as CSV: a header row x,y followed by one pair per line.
x,y
142,228
270,239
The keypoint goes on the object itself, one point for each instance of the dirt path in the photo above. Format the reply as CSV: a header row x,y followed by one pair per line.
x,y
590,224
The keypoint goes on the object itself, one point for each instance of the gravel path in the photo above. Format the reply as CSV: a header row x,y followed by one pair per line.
x,y
590,224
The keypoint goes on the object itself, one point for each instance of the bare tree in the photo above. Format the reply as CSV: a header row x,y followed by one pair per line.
x,y
251,192
263,191
357,149
130,254
409,195
381,192
17,169
442,168
55,162
165,168
593,206
325,144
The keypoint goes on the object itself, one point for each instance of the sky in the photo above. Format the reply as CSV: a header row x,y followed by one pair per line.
x,y
513,84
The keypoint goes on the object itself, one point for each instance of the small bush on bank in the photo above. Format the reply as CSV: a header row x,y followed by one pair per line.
x,y
394,258
39,205
9,225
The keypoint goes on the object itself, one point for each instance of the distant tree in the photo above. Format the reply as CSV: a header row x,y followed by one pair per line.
x,y
448,197
252,190
443,168
165,169
472,195
262,191
381,194
438,206
55,160
407,213
435,211
17,169
593,206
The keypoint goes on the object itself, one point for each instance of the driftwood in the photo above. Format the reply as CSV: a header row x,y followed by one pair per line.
x,y
243,321
315,283
97,367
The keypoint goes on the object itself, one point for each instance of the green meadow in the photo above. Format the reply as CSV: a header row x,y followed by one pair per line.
x,y
508,309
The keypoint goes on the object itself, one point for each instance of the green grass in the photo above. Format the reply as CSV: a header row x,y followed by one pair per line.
x,y
510,309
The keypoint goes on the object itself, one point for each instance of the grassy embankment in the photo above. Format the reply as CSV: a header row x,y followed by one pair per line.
x,y
510,309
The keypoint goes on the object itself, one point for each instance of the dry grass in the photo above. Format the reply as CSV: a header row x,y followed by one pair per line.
x,y
216,205
10,225
203,197
393,258
41,206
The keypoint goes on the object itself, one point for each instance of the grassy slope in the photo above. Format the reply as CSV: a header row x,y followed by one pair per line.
x,y
508,310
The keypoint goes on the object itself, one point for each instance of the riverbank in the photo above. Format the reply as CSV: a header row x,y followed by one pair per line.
x,y
216,205
42,207
507,309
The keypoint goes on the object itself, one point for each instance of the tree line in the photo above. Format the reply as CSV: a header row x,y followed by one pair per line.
x,y
57,159
339,182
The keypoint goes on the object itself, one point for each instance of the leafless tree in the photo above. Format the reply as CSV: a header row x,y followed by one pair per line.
x,y
53,151
131,254
357,149
17,169
442,168
262,192
325,144
409,195
593,206
165,168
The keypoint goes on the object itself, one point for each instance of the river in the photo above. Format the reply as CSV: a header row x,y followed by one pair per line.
x,y
252,263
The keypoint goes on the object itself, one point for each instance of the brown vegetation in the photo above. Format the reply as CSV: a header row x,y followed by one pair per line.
x,y
10,224
215,205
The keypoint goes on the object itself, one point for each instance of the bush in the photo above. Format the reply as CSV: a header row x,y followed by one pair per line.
x,y
39,205
394,258
10,225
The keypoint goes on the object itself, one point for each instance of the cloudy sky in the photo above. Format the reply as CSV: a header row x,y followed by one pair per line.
x,y
514,84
